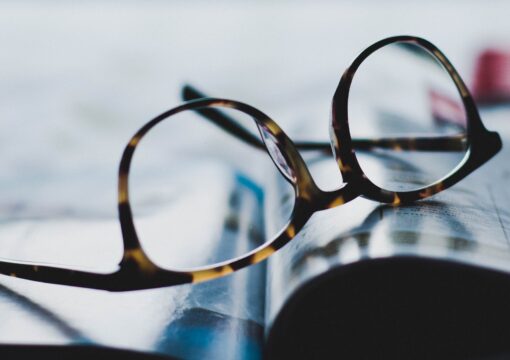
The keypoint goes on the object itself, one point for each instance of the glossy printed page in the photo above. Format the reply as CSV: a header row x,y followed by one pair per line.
x,y
217,319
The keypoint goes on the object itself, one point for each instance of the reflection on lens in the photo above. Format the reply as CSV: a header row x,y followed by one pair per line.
x,y
408,118
198,194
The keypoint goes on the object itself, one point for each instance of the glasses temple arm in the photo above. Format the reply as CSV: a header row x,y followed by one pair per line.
x,y
445,143
422,143
222,120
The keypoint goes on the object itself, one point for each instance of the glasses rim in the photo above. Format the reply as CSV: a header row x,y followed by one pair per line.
x,y
482,144
137,271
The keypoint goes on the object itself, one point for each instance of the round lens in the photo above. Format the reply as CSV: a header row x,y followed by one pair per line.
x,y
199,194
406,118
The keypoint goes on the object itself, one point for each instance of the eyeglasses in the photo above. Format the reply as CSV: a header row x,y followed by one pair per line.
x,y
458,132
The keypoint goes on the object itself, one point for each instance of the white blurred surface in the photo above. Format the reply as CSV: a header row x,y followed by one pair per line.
x,y
78,78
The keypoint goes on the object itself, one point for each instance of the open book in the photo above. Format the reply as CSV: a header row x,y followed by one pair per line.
x,y
363,279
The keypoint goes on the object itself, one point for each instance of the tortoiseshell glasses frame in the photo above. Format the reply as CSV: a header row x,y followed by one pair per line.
x,y
137,271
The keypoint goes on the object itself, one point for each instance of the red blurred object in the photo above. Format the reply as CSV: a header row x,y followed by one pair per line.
x,y
447,110
491,83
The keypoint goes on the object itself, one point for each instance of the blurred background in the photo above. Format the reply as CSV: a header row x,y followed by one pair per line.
x,y
77,79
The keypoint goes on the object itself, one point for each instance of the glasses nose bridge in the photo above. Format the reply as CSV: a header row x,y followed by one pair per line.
x,y
329,199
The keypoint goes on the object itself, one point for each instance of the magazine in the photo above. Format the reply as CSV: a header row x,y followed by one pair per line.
x,y
358,279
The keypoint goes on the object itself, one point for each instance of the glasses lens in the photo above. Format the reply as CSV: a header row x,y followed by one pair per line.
x,y
406,118
199,194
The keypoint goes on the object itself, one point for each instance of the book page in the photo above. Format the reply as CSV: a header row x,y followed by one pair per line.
x,y
468,223
222,318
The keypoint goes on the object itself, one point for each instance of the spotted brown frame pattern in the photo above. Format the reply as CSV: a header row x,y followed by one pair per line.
x,y
137,271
